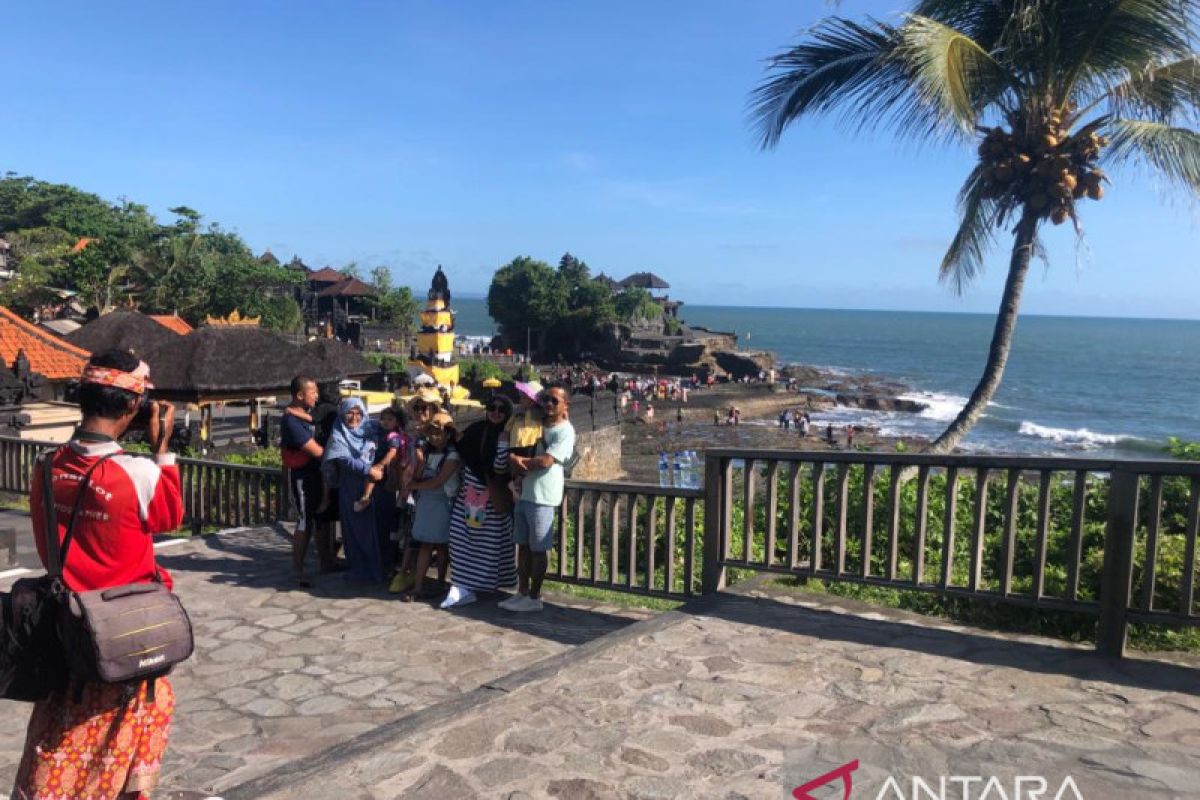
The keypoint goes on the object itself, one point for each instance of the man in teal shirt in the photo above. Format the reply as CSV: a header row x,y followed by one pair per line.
x,y
541,496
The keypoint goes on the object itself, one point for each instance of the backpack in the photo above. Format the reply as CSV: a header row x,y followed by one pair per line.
x,y
571,462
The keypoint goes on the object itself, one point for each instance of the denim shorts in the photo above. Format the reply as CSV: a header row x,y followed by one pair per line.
x,y
533,525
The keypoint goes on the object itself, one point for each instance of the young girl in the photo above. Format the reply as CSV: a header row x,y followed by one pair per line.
x,y
435,484
393,448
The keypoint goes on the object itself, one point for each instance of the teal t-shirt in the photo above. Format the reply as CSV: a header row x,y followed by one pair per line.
x,y
545,486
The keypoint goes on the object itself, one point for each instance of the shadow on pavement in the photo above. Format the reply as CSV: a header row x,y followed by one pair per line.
x,y
972,647
261,558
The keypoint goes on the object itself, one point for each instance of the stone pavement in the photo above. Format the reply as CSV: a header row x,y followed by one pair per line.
x,y
335,693
280,673
749,697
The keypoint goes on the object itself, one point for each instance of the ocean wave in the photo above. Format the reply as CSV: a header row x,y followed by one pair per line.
x,y
1078,436
939,406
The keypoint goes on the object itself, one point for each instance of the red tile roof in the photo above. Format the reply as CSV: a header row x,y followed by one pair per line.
x,y
350,287
47,354
325,275
173,323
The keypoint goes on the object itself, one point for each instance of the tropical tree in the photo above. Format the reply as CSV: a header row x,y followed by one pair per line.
x,y
1049,90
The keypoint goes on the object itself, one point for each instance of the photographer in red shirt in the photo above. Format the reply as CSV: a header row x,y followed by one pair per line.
x,y
106,741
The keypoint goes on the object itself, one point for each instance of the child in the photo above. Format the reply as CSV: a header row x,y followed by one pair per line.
x,y
436,482
524,430
393,444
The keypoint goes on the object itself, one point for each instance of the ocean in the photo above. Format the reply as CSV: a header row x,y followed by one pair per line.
x,y
1073,385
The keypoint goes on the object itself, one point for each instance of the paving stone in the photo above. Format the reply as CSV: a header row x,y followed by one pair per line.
x,y
501,771
324,704
702,724
580,789
640,758
724,762
268,707
440,783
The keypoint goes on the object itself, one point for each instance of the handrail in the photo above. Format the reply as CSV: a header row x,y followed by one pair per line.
x,y
1057,463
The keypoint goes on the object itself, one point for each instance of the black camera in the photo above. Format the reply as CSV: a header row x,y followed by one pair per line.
x,y
141,419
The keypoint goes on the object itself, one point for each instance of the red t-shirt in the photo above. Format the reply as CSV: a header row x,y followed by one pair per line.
x,y
129,498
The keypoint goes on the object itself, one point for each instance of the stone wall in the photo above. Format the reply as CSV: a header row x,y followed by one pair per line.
x,y
599,454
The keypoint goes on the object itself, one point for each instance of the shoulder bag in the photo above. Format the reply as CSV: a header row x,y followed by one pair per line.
x,y
124,633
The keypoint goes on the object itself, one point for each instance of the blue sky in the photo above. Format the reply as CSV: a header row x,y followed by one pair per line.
x,y
465,133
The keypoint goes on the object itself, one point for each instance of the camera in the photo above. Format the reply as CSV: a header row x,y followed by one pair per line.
x,y
141,419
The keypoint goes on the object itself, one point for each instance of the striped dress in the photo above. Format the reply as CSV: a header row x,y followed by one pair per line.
x,y
482,553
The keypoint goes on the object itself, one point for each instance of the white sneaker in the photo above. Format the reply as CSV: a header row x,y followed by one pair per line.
x,y
525,603
458,596
511,603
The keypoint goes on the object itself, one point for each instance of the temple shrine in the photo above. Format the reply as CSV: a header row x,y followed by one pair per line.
x,y
435,340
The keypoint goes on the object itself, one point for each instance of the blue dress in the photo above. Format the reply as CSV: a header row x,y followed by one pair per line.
x,y
432,522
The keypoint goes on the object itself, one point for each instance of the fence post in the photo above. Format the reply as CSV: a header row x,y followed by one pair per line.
x,y
1117,573
712,574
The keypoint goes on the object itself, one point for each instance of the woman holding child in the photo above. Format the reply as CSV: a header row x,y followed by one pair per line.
x,y
349,465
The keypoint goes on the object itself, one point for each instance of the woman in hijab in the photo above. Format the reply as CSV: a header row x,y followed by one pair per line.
x,y
348,462
481,547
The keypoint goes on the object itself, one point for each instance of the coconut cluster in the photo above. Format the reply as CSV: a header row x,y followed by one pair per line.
x,y
1049,170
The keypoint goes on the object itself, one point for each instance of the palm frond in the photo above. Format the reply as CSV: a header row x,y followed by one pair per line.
x,y
1098,40
978,217
841,65
1161,92
1175,152
952,72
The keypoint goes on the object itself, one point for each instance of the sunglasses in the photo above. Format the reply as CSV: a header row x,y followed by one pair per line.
x,y
550,401
496,409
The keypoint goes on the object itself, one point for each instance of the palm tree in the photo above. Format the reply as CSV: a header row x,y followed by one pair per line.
x,y
1050,90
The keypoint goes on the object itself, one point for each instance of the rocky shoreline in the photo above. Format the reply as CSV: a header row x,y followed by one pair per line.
x,y
760,404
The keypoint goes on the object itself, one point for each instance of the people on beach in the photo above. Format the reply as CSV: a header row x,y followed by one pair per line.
x,y
105,741
541,496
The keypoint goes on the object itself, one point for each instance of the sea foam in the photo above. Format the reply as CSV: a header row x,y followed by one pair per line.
x,y
1079,436
938,406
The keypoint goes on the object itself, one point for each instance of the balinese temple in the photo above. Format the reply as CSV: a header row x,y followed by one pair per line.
x,y
435,340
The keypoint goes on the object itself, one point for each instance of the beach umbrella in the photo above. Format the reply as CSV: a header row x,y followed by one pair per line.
x,y
491,383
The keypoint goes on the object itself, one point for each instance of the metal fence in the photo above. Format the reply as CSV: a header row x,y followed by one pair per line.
x,y
1113,539
215,494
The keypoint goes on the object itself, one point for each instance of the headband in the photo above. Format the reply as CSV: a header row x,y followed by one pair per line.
x,y
135,381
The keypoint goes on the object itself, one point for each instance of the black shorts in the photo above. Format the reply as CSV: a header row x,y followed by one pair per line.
x,y
304,487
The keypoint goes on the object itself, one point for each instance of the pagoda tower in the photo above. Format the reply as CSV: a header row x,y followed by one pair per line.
x,y
435,341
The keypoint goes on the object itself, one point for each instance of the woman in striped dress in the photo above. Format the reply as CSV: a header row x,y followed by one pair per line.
x,y
482,554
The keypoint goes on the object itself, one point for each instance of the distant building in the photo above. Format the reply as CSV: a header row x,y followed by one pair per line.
x,y
651,283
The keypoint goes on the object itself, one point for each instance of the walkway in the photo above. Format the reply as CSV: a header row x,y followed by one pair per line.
x,y
332,695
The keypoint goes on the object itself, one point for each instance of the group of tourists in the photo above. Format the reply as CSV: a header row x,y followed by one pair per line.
x,y
480,503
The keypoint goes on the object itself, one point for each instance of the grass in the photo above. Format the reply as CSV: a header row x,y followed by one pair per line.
x,y
14,502
622,599
995,616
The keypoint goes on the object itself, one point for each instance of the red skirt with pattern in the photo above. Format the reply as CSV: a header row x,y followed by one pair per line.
x,y
99,748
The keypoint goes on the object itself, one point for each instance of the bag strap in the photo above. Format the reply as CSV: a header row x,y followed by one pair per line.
x,y
56,555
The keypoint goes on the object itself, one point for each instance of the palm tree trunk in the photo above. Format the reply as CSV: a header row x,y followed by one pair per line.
x,y
1006,324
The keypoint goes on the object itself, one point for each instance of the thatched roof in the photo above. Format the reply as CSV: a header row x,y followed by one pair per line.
x,y
217,362
644,280
348,287
615,285
342,359
122,330
268,258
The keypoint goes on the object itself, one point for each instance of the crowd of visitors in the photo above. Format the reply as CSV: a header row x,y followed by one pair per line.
x,y
411,491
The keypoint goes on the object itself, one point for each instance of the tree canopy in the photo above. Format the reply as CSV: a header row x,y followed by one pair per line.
x,y
565,305
111,253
